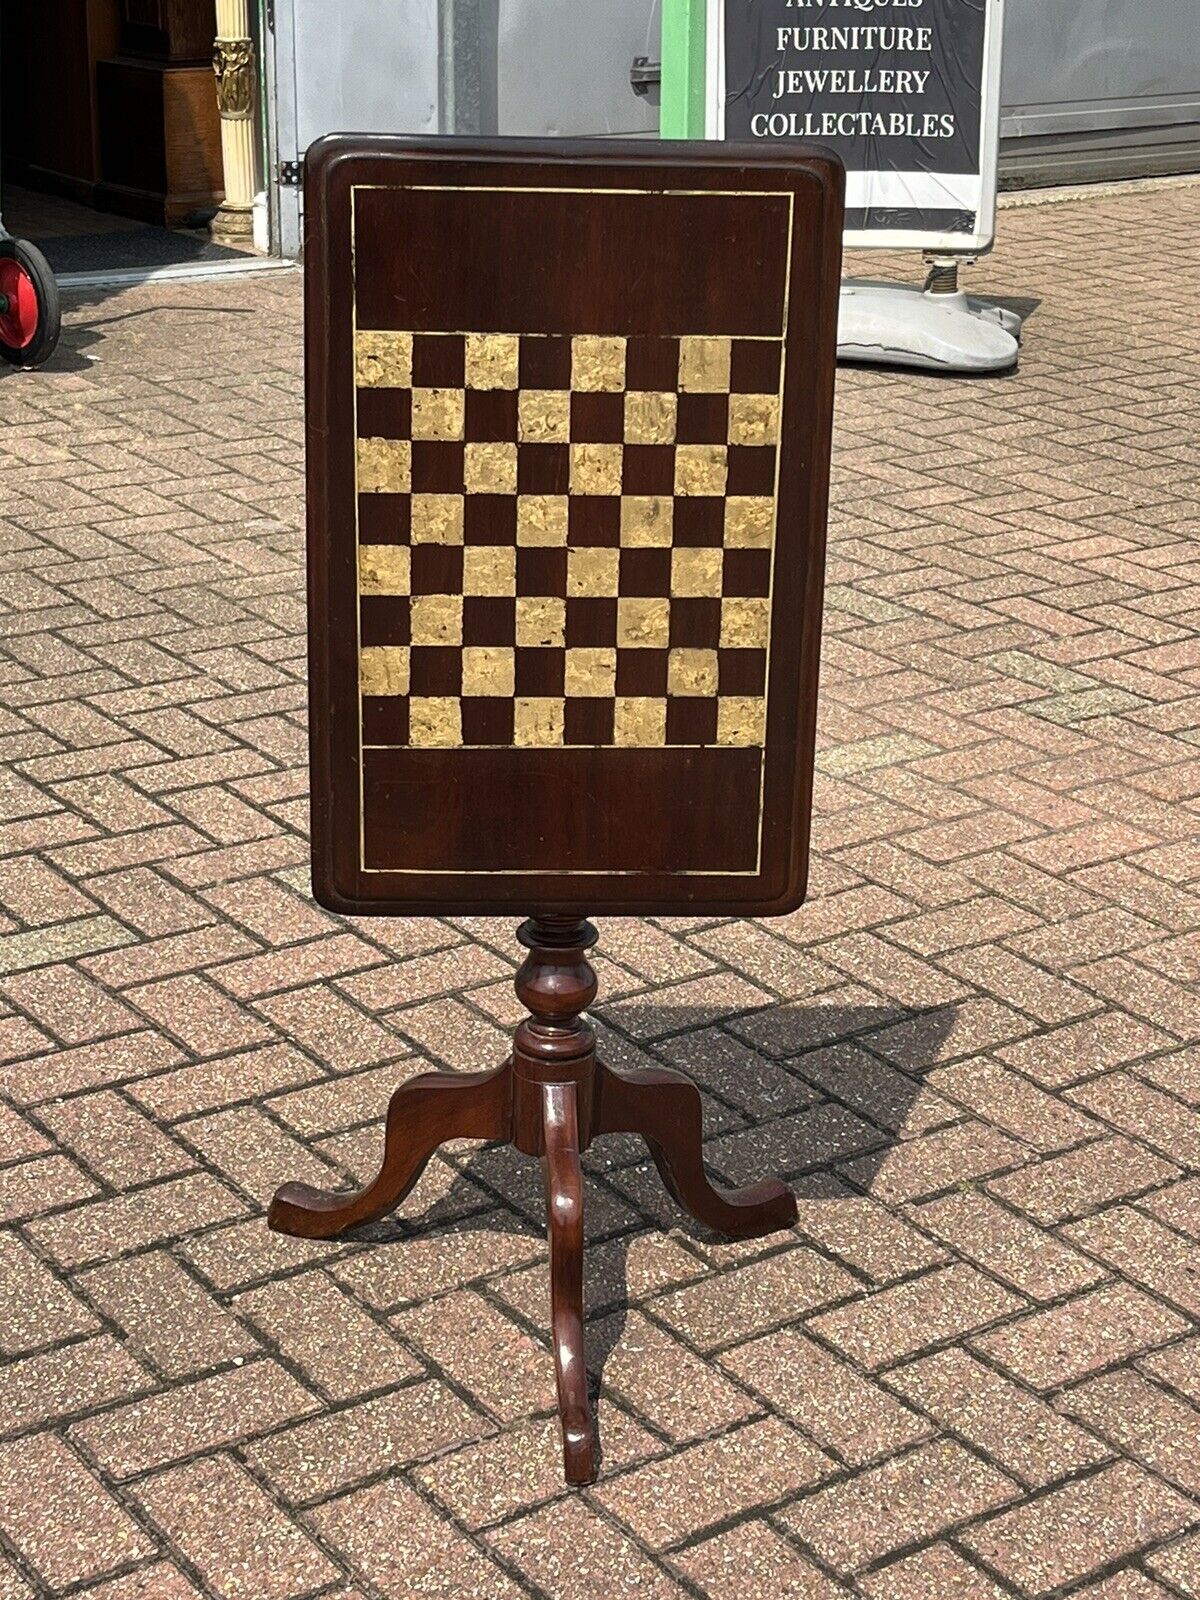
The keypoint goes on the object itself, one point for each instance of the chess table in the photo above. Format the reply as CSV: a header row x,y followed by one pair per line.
x,y
569,415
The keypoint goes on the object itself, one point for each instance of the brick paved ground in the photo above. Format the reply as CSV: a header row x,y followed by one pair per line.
x,y
971,1372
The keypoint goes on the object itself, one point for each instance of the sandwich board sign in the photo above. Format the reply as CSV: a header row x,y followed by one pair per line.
x,y
906,92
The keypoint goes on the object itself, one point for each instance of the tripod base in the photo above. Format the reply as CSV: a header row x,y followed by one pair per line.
x,y
550,1099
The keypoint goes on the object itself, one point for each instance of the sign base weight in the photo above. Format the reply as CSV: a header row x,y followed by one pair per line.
x,y
900,325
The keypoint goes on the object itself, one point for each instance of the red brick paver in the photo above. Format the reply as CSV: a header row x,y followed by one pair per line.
x,y
970,1372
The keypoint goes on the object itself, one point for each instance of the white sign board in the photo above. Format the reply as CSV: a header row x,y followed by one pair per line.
x,y
907,92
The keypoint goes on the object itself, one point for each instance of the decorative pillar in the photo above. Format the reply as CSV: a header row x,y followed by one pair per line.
x,y
233,64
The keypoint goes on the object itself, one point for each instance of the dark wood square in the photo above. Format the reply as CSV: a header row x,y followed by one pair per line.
x,y
597,418
490,414
438,361
384,620
591,622
545,363
691,720
702,419
540,672
642,672
542,572
754,366
649,469
699,520
437,466
487,719
742,671
489,619
696,623
385,720
587,721
748,573
435,669
544,468
490,519
385,413
384,518
751,469
436,569
652,363
645,572
594,519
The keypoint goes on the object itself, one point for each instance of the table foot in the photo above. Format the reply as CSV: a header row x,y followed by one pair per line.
x,y
665,1108
422,1114
564,1215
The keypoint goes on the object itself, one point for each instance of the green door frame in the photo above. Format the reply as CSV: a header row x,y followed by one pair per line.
x,y
682,108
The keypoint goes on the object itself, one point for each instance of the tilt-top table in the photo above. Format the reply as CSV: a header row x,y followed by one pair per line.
x,y
569,413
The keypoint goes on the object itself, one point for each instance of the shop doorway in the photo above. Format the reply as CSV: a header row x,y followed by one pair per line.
x,y
110,139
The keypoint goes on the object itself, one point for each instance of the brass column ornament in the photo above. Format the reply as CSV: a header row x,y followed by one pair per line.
x,y
234,68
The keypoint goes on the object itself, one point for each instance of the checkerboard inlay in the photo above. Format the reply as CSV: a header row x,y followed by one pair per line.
x,y
565,540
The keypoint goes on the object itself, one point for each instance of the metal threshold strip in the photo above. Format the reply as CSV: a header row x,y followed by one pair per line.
x,y
126,277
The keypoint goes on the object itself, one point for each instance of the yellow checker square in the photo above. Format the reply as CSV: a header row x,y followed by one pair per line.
x,y
749,522
437,519
753,418
434,721
704,365
639,721
541,622
591,672
384,466
649,417
597,362
643,624
697,574
592,573
490,468
741,719
647,520
492,360
438,413
435,618
537,723
542,519
489,569
488,670
596,468
383,360
544,416
692,672
383,669
384,568
745,623
701,468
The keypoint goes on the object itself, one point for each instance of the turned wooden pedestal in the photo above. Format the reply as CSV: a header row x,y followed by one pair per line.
x,y
550,1099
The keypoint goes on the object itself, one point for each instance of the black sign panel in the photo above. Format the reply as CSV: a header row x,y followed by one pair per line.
x,y
896,87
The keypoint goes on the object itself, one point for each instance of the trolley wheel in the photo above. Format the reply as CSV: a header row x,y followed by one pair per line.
x,y
30,321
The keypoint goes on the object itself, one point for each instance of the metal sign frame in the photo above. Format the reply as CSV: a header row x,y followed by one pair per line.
x,y
693,106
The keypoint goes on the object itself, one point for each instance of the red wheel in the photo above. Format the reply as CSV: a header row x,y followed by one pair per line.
x,y
29,314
